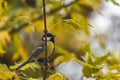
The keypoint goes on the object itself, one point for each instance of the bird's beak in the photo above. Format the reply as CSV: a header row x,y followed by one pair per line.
x,y
54,35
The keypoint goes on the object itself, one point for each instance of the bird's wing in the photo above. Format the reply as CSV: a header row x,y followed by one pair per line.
x,y
35,53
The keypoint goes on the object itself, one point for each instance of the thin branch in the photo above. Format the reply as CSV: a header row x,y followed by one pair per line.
x,y
41,17
46,53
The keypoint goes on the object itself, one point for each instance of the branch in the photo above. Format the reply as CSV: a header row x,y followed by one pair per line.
x,y
45,29
41,17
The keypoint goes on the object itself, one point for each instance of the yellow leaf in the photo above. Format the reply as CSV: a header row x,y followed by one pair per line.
x,y
4,40
17,40
58,60
1,1
6,5
5,37
81,21
20,53
57,76
30,65
39,26
3,21
3,7
65,58
5,73
29,29
62,51
32,79
2,51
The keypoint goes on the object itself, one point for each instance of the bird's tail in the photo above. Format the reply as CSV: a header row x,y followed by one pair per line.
x,y
21,65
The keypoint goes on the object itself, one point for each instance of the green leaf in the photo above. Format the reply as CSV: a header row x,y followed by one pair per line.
x,y
89,58
86,48
88,71
100,60
3,67
60,50
102,44
31,70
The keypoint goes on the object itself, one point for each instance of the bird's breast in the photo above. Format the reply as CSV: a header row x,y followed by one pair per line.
x,y
50,49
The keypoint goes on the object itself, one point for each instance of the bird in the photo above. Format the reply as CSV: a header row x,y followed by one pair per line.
x,y
39,52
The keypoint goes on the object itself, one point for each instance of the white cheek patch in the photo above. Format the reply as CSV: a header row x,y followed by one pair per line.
x,y
43,38
48,38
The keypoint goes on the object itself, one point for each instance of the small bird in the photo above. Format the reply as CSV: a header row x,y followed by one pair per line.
x,y
39,52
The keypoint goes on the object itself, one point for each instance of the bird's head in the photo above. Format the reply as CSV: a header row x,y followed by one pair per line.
x,y
50,37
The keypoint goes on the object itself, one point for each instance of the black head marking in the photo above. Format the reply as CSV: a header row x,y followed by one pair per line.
x,y
50,37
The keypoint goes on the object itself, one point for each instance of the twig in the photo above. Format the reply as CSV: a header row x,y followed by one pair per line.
x,y
46,53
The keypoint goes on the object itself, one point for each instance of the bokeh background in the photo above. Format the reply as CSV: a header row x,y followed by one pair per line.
x,y
83,28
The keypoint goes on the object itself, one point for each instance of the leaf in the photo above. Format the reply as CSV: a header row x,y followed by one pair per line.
x,y
102,44
76,24
3,21
60,50
88,71
100,60
26,19
57,76
33,79
1,10
32,66
5,73
114,58
20,52
58,60
82,22
90,67
4,40
3,7
72,25
29,71
64,57
86,48
2,51
89,58
5,37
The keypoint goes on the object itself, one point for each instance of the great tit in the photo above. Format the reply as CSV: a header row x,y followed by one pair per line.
x,y
39,52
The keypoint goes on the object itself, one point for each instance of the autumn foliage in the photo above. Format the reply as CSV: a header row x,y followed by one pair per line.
x,y
21,28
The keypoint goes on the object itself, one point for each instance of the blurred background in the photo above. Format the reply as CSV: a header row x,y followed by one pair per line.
x,y
80,26
106,24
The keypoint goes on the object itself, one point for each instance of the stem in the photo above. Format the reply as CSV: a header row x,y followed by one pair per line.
x,y
46,53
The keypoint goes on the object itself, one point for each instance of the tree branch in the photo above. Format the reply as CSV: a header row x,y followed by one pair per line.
x,y
45,31
14,30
